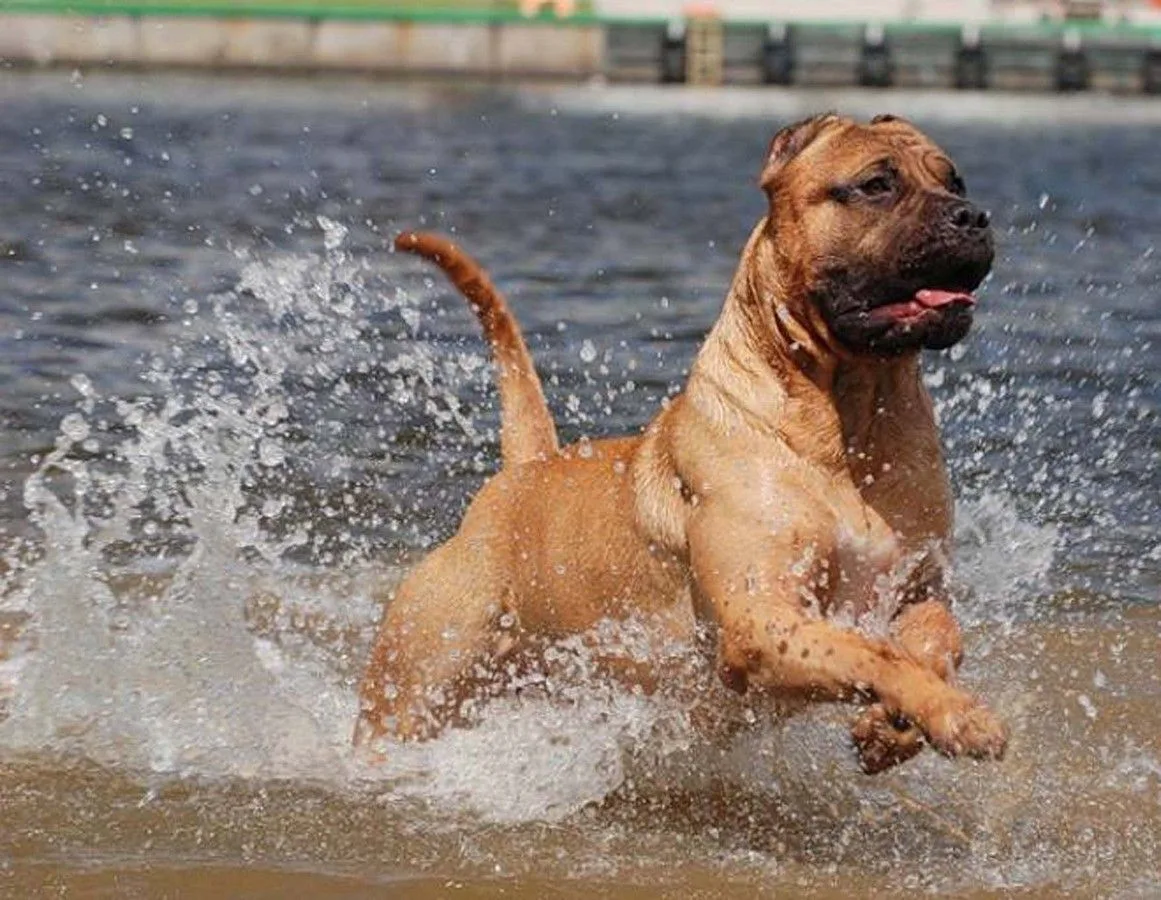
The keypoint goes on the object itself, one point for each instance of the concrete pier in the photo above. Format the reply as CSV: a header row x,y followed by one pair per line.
x,y
390,47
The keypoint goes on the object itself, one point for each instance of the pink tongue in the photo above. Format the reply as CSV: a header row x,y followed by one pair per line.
x,y
934,299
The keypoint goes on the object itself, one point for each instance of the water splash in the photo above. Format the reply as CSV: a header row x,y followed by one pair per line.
x,y
1003,561
177,628
158,513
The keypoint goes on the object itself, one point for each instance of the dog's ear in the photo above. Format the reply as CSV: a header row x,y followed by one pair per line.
x,y
894,123
791,141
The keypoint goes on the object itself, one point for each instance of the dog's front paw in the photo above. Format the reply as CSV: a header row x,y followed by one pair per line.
x,y
883,741
963,726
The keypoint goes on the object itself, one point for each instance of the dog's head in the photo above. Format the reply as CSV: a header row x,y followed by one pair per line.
x,y
871,223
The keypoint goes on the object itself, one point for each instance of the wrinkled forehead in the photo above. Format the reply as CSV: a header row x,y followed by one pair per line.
x,y
847,148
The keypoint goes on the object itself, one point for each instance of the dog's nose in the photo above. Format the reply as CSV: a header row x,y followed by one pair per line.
x,y
969,217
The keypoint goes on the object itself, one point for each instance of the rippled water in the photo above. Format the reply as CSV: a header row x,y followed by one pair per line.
x,y
230,417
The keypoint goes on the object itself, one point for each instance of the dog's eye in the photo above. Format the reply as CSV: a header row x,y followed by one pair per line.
x,y
956,185
876,186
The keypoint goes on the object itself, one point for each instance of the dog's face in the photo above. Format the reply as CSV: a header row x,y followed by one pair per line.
x,y
873,223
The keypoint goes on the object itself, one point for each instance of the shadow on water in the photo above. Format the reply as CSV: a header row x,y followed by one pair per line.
x,y
224,446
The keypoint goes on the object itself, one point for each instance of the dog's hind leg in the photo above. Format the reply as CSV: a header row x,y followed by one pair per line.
x,y
438,642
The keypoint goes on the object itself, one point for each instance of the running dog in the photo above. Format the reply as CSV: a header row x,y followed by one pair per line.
x,y
789,511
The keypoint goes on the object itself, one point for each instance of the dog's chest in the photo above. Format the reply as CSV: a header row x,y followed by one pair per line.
x,y
861,579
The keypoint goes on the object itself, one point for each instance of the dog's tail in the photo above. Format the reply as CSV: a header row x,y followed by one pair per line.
x,y
527,431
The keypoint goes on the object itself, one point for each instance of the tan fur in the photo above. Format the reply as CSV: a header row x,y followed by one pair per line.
x,y
791,481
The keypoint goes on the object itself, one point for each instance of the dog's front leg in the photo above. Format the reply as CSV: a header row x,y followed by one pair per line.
x,y
747,584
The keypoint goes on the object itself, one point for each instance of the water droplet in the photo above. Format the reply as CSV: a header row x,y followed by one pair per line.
x,y
82,385
334,233
270,453
588,352
74,427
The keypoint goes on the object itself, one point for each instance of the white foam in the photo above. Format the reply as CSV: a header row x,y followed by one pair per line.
x,y
1003,561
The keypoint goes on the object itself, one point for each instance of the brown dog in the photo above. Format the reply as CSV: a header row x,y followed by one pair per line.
x,y
797,480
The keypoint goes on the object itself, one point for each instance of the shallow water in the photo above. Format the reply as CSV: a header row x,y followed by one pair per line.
x,y
230,417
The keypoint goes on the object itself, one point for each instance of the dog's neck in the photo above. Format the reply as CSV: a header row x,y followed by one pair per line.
x,y
771,367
